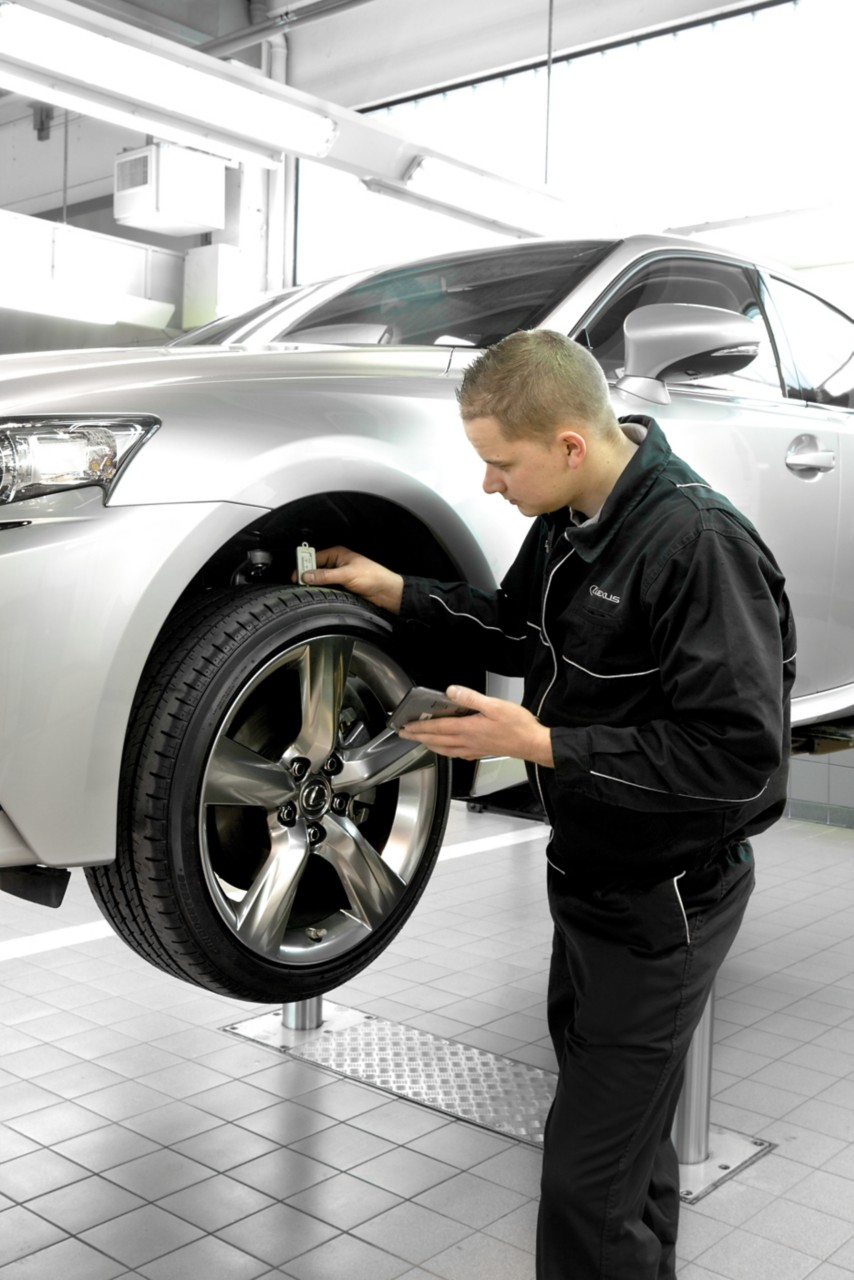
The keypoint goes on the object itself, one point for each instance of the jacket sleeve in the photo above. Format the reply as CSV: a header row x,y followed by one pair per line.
x,y
488,627
722,632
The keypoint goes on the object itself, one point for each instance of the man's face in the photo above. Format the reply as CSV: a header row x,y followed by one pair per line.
x,y
534,475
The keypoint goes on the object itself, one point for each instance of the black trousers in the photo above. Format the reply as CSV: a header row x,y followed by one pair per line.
x,y
631,972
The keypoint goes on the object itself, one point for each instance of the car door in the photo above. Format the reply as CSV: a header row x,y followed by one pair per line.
x,y
743,433
821,339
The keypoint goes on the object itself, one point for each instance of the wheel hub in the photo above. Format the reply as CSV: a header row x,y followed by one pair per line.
x,y
315,798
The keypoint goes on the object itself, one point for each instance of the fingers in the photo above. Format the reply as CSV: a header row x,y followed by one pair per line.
x,y
469,698
339,566
332,556
326,577
500,728
333,567
435,737
327,559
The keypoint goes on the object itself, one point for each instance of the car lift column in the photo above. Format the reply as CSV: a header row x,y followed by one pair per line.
x,y
691,1126
303,1015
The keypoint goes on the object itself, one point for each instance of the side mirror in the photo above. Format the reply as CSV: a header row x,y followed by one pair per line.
x,y
679,342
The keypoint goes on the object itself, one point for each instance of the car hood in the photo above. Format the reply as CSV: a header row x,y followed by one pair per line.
x,y
55,380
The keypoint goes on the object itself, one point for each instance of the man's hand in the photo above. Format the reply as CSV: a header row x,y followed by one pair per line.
x,y
499,728
340,567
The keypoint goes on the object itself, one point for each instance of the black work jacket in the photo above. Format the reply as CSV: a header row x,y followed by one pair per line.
x,y
658,645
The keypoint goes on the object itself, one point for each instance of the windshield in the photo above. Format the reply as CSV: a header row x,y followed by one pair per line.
x,y
465,299
471,299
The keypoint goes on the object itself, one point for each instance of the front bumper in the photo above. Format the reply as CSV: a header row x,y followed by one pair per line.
x,y
85,589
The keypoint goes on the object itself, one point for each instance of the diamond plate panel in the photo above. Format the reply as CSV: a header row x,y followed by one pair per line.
x,y
467,1083
497,1093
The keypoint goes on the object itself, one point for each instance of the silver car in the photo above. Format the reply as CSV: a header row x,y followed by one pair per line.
x,y
210,741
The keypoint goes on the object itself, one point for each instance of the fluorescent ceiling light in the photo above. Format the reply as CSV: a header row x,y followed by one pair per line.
x,y
531,209
398,191
74,67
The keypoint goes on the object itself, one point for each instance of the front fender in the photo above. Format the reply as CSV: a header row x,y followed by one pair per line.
x,y
86,589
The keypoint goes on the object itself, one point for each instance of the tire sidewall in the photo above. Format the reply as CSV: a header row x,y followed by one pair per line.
x,y
257,631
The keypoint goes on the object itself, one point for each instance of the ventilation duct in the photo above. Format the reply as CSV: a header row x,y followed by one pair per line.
x,y
173,190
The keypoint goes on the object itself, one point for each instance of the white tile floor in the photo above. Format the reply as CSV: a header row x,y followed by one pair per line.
x,y
137,1138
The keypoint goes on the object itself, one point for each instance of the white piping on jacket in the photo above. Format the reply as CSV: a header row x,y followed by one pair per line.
x,y
619,675
684,795
486,627
676,880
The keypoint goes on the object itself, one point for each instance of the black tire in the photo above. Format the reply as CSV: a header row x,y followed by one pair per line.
x,y
273,836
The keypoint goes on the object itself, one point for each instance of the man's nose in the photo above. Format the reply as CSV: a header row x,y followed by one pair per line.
x,y
492,482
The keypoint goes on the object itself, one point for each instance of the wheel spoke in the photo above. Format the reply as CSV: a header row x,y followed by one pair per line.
x,y
238,775
385,757
371,886
262,916
323,671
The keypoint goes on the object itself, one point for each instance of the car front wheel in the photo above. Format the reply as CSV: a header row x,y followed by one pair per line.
x,y
274,834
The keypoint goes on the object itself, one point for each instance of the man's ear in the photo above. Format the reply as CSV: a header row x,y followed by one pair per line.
x,y
575,447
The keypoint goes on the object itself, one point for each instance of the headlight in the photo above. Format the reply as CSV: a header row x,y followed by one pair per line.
x,y
42,455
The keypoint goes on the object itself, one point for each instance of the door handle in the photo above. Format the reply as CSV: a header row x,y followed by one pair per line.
x,y
805,455
815,460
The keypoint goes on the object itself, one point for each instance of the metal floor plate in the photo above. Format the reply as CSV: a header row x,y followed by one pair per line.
x,y
496,1093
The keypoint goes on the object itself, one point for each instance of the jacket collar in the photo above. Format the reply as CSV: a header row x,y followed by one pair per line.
x,y
590,540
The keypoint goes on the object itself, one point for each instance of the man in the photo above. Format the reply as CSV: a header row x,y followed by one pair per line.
x,y
651,625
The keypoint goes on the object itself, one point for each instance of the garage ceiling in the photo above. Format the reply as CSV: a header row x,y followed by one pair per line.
x,y
325,48
380,50
328,49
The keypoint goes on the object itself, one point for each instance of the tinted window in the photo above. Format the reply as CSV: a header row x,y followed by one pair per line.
x,y
822,342
692,280
473,298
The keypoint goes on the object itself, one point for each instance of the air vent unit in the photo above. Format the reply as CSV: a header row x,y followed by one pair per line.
x,y
173,190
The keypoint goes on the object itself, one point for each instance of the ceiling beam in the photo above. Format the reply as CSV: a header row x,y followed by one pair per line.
x,y
277,118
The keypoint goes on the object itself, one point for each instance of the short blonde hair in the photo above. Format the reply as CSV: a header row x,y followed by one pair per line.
x,y
532,381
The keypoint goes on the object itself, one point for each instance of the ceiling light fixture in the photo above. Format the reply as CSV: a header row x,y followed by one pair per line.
x,y
212,109
534,210
399,191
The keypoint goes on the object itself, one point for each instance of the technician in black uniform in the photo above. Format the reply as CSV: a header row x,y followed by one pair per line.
x,y
652,628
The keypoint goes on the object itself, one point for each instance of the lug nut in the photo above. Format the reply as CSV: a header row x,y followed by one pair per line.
x,y
339,803
332,766
287,815
299,767
315,833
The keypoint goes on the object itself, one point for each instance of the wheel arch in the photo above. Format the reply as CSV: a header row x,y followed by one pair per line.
x,y
411,531
381,527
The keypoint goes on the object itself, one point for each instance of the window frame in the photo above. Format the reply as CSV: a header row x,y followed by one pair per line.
x,y
770,278
753,275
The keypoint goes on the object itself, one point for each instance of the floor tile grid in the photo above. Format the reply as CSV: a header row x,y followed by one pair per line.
x,y
782,1046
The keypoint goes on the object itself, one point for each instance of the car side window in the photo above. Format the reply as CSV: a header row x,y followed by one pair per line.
x,y
693,280
822,343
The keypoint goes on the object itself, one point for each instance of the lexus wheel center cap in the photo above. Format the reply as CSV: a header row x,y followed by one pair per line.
x,y
315,798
